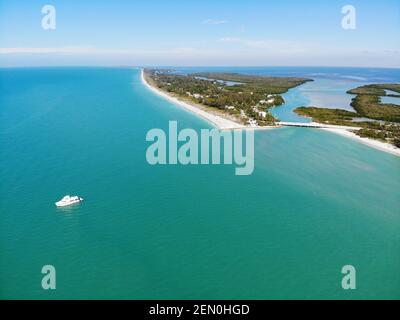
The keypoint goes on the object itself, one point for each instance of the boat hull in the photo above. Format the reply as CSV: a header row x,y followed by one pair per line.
x,y
69,203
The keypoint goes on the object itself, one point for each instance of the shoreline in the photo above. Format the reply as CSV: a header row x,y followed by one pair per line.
x,y
222,123
376,144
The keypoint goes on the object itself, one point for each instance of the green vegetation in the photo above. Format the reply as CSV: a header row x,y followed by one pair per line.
x,y
246,100
368,104
376,89
272,85
328,116
386,132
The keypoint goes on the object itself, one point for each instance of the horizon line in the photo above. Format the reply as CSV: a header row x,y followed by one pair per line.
x,y
195,66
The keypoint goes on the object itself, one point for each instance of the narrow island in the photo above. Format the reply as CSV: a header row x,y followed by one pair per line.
x,y
242,100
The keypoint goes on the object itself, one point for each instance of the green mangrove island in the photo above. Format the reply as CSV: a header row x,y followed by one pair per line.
x,y
377,120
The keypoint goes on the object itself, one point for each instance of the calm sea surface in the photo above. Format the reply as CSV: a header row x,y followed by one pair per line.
x,y
315,202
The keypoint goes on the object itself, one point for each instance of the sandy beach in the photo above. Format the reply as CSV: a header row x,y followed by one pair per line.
x,y
382,146
226,124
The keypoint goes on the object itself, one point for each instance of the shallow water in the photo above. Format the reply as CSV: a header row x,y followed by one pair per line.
x,y
393,100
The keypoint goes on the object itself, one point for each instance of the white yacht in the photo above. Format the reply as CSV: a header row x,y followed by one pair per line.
x,y
68,200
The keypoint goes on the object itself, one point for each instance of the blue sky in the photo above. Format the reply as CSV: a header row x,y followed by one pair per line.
x,y
196,33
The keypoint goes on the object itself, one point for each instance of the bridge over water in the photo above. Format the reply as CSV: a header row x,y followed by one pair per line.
x,y
315,125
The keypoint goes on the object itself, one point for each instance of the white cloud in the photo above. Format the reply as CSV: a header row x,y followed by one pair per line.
x,y
214,21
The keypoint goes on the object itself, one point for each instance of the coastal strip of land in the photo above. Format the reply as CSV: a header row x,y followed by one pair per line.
x,y
223,123
242,99
217,120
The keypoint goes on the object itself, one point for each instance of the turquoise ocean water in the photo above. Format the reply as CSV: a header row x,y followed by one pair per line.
x,y
315,202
